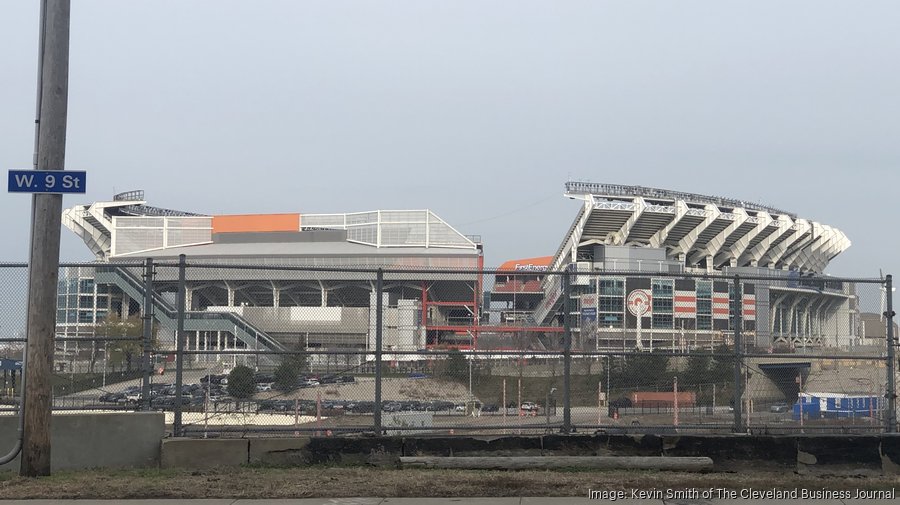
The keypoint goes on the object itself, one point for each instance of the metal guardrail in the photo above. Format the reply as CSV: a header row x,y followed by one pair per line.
x,y
601,189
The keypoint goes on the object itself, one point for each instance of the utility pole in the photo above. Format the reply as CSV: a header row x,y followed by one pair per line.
x,y
46,212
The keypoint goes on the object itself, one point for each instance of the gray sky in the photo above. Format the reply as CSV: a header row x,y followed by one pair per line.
x,y
479,111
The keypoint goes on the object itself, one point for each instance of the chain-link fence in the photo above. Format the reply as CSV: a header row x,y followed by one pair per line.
x,y
234,350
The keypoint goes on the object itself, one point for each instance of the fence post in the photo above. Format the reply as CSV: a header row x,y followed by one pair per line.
x,y
147,335
737,323
379,313
179,346
567,354
891,418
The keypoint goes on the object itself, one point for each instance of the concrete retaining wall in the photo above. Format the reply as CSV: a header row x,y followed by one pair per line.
x,y
108,440
808,454
204,453
122,440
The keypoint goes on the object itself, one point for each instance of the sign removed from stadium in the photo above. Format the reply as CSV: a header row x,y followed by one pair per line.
x,y
638,302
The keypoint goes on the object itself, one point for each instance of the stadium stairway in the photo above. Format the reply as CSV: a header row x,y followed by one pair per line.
x,y
167,315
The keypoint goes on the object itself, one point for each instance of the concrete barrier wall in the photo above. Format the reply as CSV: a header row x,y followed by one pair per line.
x,y
136,440
107,440
809,454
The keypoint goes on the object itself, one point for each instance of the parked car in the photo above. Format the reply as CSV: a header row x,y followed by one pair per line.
x,y
363,407
275,406
440,405
168,402
213,379
779,408
112,397
307,383
261,378
529,407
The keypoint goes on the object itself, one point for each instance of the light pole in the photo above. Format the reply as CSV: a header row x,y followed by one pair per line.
x,y
547,406
105,359
471,358
608,368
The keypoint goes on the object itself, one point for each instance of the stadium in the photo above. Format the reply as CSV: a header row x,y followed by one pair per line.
x,y
659,244
623,240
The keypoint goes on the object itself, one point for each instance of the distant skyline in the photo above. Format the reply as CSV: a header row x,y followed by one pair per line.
x,y
479,111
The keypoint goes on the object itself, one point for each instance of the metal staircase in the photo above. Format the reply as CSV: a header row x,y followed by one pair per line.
x,y
251,336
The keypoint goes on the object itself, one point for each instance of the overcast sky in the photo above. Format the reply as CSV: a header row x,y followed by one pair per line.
x,y
478,110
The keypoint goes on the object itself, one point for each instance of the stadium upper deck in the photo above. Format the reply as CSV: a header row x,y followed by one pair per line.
x,y
700,232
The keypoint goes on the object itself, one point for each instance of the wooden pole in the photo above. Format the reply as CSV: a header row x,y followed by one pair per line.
x,y
46,217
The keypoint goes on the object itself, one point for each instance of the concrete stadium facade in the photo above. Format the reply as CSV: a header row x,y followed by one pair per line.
x,y
623,239
677,249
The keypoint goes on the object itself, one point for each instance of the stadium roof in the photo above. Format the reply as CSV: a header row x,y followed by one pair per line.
x,y
700,232
127,227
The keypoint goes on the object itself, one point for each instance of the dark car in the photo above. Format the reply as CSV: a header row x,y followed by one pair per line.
x,y
112,397
168,402
270,406
363,407
212,379
262,378
440,406
490,407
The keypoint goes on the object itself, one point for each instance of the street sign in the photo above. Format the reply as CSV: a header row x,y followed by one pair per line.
x,y
47,181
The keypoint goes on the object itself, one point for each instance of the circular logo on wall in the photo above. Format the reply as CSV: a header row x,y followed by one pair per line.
x,y
638,302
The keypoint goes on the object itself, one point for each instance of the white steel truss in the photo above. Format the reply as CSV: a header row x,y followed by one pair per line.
x,y
745,235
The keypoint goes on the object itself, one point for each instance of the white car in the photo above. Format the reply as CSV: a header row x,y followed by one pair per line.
x,y
529,406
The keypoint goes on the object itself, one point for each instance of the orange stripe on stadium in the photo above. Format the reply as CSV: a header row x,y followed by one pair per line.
x,y
245,223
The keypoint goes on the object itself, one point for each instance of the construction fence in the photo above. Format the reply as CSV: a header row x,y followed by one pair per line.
x,y
273,350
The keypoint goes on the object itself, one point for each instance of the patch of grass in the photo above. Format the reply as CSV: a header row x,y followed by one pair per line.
x,y
326,481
